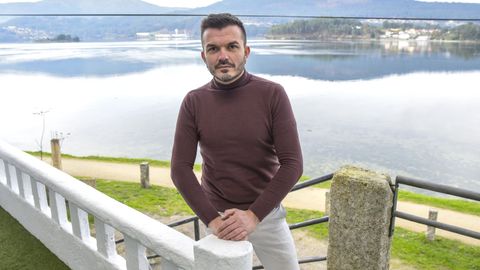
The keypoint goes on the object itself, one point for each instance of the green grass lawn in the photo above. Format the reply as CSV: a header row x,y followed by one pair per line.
x,y
459,205
19,250
411,248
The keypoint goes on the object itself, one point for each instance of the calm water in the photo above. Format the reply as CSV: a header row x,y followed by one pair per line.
x,y
399,107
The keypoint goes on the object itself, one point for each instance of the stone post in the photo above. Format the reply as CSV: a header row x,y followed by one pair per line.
x,y
360,210
211,253
56,154
327,203
145,175
432,215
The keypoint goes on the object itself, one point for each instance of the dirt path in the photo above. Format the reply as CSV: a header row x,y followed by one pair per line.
x,y
310,198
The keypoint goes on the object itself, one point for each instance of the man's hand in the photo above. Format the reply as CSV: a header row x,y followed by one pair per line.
x,y
237,224
215,224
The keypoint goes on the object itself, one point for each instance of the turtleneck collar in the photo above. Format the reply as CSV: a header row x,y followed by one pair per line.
x,y
244,79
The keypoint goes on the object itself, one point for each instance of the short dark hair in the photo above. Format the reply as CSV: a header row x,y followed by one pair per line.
x,y
220,21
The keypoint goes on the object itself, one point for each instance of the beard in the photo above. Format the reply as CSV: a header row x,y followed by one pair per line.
x,y
227,77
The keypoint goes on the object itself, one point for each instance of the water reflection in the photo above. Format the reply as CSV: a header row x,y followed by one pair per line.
x,y
321,60
423,125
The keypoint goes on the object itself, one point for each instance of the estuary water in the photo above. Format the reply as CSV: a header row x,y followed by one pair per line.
x,y
404,108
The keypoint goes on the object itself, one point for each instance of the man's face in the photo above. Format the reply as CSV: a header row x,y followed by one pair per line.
x,y
224,53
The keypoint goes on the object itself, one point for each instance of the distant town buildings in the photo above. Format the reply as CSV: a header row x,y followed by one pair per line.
x,y
144,36
409,34
26,33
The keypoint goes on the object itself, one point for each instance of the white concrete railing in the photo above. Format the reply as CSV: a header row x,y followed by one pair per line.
x,y
35,194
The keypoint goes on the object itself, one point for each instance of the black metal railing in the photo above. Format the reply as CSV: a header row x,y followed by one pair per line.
x,y
463,193
302,224
403,18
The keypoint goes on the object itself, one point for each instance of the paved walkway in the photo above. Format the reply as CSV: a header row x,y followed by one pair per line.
x,y
309,198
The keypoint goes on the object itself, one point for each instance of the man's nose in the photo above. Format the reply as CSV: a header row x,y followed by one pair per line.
x,y
223,54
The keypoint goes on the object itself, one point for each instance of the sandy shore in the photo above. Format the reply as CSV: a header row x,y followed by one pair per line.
x,y
310,198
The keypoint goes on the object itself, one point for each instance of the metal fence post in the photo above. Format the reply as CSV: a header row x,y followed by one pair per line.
x,y
432,215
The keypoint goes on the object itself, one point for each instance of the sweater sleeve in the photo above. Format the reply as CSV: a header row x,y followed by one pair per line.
x,y
289,153
183,158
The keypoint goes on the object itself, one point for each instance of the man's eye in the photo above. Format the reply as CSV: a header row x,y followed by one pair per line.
x,y
233,46
211,49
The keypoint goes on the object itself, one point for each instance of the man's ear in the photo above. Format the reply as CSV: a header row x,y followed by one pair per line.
x,y
247,51
203,57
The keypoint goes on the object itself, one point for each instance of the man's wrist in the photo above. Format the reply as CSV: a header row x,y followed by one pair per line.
x,y
253,216
215,224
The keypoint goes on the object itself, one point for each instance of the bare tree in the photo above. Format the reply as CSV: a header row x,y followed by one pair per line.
x,y
40,144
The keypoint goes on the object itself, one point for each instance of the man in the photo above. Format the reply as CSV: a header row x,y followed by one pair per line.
x,y
249,145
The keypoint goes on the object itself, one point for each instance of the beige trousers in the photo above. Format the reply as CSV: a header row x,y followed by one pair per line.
x,y
273,243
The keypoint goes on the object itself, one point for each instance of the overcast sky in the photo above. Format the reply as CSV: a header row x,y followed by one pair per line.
x,y
201,3
164,3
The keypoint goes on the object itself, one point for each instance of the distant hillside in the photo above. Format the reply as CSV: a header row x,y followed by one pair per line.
x,y
386,8
84,6
87,28
124,28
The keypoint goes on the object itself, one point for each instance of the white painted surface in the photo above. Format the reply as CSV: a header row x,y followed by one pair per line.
x,y
72,242
212,253
63,244
12,176
105,240
80,225
27,188
135,255
40,197
59,210
18,175
167,265
3,177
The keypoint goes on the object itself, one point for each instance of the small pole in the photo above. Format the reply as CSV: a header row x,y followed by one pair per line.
x,y
145,175
432,215
327,203
56,154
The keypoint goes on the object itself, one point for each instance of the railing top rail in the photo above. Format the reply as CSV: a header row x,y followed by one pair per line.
x,y
468,194
171,244
312,182
112,14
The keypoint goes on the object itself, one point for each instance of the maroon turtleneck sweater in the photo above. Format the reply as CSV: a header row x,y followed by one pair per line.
x,y
249,145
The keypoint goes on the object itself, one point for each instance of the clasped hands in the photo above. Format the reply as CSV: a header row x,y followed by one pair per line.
x,y
235,224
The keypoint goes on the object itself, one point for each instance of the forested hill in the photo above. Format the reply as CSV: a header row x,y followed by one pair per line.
x,y
18,29
355,29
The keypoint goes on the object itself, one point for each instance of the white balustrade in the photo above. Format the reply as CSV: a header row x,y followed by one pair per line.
x,y
168,265
59,209
135,255
105,235
80,225
25,182
40,197
27,188
3,176
12,178
21,187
